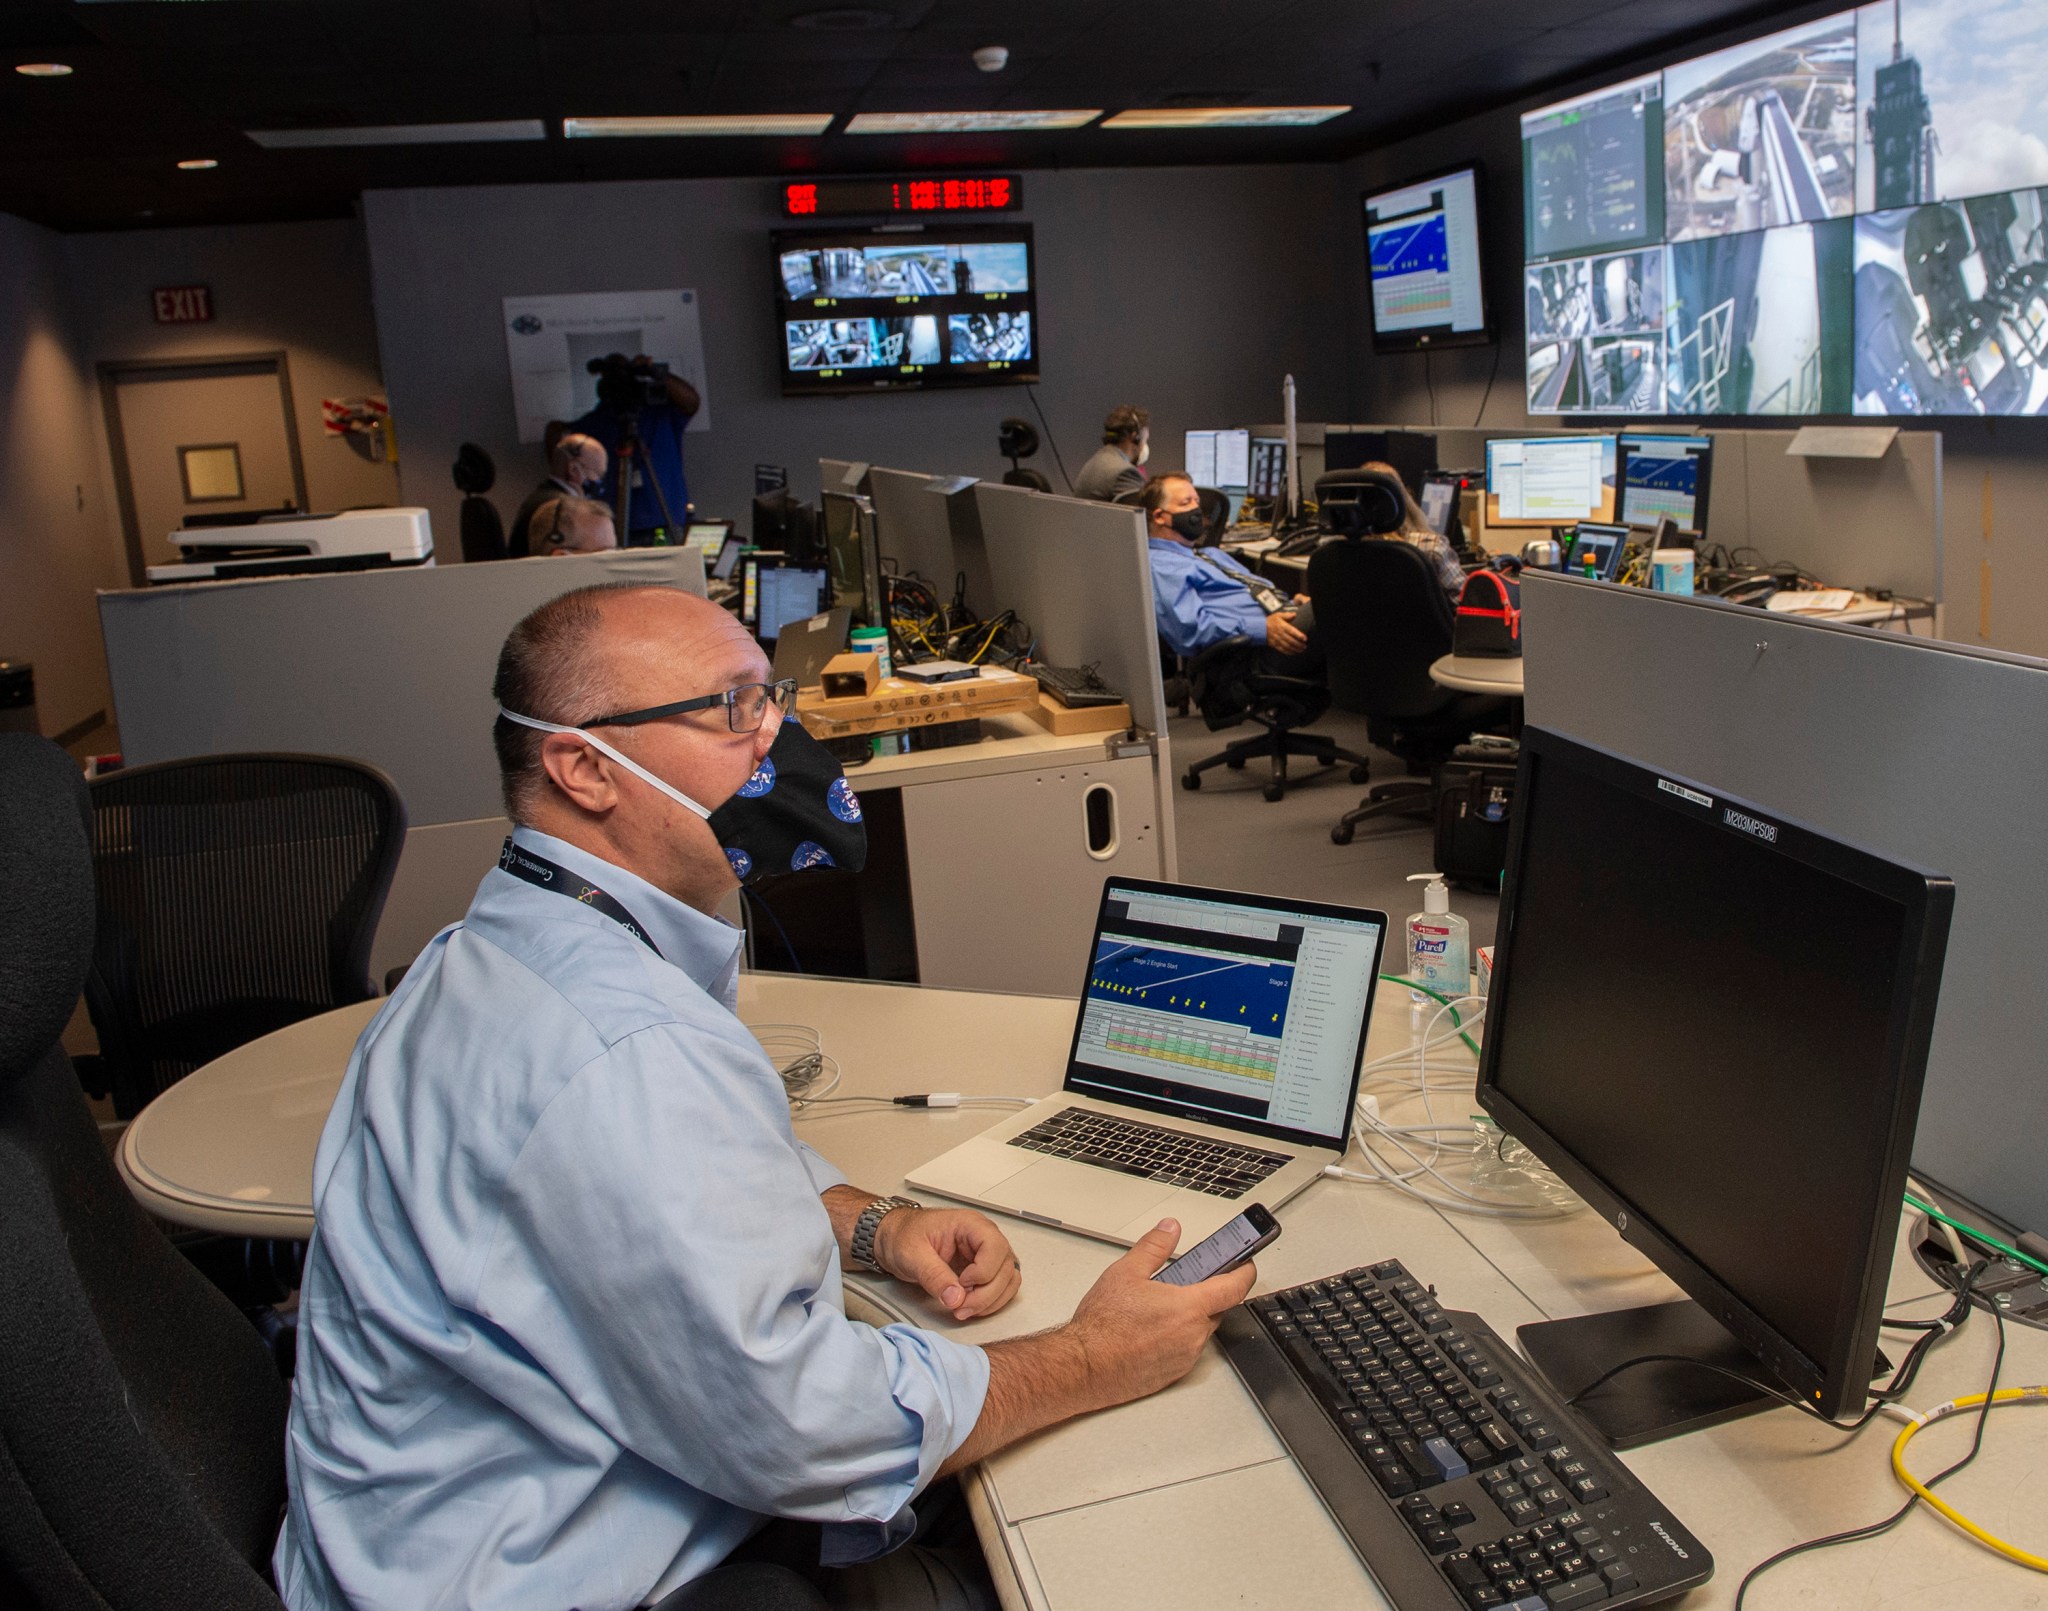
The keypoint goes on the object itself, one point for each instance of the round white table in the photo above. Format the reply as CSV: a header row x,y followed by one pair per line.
x,y
1479,674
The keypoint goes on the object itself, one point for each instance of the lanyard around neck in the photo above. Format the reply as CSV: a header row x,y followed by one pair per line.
x,y
537,870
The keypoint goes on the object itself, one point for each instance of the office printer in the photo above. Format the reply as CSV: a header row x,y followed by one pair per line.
x,y
215,547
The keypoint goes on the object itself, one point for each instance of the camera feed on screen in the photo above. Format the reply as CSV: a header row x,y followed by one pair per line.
x,y
1850,215
861,310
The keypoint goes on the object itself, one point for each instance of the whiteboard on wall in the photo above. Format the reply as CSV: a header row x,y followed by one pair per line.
x,y
550,340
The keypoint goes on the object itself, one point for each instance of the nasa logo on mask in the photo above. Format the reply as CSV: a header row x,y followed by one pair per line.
x,y
844,802
761,782
742,863
810,854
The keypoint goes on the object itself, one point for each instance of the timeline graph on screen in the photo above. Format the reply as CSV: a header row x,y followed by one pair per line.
x,y
1191,1010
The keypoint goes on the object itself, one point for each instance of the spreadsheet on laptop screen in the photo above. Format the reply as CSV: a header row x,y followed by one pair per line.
x,y
1239,1010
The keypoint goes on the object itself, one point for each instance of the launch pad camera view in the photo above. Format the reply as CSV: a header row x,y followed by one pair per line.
x,y
864,310
1847,216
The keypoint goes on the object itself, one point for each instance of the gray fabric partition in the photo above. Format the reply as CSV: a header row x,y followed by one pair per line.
x,y
392,667
1925,751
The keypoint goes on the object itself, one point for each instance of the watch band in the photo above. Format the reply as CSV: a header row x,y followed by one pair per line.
x,y
869,1223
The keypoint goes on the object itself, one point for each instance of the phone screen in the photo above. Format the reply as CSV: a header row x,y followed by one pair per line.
x,y
1249,1230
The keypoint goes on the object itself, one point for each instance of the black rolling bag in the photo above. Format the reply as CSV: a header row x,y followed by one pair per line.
x,y
1475,796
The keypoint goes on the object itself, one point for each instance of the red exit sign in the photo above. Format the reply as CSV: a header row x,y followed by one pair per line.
x,y
864,198
182,304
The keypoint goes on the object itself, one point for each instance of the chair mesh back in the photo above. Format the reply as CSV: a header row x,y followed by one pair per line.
x,y
236,894
1383,618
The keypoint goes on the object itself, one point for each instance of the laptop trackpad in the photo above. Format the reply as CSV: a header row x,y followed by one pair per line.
x,y
1081,1194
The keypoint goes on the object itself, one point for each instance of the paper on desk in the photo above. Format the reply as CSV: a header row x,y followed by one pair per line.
x,y
1820,601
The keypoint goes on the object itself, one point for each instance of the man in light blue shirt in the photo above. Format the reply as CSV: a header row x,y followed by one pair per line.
x,y
572,1326
1200,596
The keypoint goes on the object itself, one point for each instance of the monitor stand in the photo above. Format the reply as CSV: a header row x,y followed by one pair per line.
x,y
1652,1401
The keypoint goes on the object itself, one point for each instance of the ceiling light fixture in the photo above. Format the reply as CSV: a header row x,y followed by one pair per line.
x,y
531,128
43,70
199,164
966,122
783,123
1224,117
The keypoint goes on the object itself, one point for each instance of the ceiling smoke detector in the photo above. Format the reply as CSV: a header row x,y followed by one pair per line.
x,y
992,58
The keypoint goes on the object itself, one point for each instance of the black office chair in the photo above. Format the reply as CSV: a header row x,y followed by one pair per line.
x,y
1018,439
1229,686
1216,512
237,894
141,1417
483,533
1383,618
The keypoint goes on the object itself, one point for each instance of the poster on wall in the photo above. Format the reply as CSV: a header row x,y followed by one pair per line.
x,y
550,340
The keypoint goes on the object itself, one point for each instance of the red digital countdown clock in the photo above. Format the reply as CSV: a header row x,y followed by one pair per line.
x,y
863,198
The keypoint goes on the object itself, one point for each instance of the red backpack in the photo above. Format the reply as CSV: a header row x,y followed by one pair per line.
x,y
1489,615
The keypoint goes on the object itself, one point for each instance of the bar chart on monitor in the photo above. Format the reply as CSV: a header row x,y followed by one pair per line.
x,y
1184,1008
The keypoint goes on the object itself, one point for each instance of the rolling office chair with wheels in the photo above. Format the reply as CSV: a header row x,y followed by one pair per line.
x,y
141,1418
483,533
236,894
1383,618
1229,686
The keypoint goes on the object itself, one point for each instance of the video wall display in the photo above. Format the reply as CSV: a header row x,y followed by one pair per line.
x,y
863,310
1846,216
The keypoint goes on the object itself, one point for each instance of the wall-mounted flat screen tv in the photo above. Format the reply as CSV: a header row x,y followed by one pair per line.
x,y
864,310
1846,216
1422,256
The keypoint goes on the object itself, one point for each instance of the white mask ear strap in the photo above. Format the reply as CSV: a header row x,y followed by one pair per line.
x,y
626,761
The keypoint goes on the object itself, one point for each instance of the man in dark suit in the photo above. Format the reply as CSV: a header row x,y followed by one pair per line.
x,y
575,464
1126,444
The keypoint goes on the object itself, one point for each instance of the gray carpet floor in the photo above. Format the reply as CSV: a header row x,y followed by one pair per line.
x,y
1231,837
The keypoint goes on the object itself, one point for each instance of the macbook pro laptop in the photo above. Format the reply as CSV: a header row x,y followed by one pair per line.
x,y
804,646
1215,1061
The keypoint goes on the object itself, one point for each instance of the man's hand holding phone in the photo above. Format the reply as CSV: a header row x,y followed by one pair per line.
x,y
1141,1334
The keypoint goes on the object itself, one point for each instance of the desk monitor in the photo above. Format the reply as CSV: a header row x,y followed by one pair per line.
x,y
752,563
1739,1094
1666,477
785,593
1604,545
1549,480
707,537
1422,257
728,557
1219,459
1267,476
853,556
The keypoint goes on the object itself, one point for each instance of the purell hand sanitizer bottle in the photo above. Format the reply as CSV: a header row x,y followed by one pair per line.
x,y
1439,942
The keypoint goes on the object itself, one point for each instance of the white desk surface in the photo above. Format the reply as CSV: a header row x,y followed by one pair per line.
x,y
1186,1499
1479,674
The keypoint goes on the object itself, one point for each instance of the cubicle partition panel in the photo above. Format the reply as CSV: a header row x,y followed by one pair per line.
x,y
393,667
1925,751
932,534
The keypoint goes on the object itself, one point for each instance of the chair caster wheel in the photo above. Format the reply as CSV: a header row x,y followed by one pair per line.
x,y
1341,834
1236,764
1275,791
1358,775
1191,780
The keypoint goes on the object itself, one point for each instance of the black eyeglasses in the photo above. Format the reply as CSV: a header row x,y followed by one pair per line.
x,y
746,707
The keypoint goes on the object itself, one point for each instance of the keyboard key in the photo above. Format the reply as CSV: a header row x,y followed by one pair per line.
x,y
1587,1490
1450,1465
1619,1578
1457,1515
1438,1538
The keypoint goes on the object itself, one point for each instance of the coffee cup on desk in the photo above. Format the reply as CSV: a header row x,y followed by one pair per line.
x,y
1543,554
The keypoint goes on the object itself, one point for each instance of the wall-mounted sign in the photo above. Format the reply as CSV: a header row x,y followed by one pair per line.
x,y
550,341
864,198
182,304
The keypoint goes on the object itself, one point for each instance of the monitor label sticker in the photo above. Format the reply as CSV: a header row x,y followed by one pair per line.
x,y
1743,823
1683,792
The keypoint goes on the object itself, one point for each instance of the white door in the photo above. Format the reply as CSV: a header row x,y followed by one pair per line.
x,y
196,440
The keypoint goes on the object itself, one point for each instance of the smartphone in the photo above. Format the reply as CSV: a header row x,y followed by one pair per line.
x,y
1226,1250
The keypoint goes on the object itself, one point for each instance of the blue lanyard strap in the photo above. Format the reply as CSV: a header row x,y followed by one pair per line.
x,y
538,871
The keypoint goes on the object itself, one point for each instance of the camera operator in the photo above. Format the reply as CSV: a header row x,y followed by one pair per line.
x,y
640,396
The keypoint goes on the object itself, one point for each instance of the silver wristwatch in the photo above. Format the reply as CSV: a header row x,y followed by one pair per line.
x,y
870,1221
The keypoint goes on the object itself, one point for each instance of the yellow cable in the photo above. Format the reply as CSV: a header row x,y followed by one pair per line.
x,y
2005,1395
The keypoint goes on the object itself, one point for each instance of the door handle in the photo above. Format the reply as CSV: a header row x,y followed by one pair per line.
x,y
1099,821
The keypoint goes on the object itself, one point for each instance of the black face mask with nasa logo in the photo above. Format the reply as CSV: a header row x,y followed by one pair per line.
x,y
796,812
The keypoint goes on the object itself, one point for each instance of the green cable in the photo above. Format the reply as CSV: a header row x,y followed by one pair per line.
x,y
1403,979
1976,1235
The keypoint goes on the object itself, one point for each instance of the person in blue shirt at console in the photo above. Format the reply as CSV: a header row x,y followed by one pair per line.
x,y
572,1331
661,405
1200,596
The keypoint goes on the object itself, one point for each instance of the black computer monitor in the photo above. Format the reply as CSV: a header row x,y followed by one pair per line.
x,y
1268,473
1411,453
786,524
1666,477
1713,1024
786,593
852,556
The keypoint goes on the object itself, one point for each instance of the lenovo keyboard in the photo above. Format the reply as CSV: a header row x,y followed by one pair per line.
x,y
1461,1480
1171,1157
1073,686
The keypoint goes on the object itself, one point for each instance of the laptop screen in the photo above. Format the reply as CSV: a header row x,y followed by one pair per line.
x,y
1241,1010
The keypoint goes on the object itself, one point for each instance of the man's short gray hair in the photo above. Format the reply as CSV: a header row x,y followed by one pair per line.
x,y
554,669
565,450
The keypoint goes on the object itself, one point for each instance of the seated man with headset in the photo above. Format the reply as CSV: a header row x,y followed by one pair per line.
x,y
1200,596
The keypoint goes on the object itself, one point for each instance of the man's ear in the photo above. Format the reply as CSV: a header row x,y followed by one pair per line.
x,y
583,776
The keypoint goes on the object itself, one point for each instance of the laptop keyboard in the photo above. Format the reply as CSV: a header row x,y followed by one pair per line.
x,y
1171,1157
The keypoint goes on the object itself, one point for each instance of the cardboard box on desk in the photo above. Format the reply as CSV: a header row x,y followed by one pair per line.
x,y
896,704
1062,722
